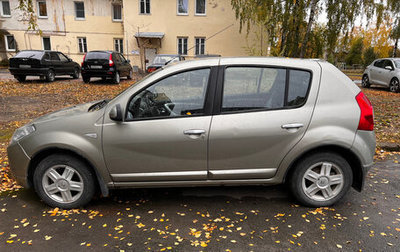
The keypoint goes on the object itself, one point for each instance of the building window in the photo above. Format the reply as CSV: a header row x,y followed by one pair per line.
x,y
200,7
79,10
182,46
5,9
144,6
200,46
10,43
46,43
42,9
182,7
119,45
82,45
117,12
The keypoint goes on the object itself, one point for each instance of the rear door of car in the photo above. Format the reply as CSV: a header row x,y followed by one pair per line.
x,y
261,112
376,71
386,75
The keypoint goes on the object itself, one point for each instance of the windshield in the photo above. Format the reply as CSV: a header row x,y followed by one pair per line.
x,y
30,54
397,63
164,59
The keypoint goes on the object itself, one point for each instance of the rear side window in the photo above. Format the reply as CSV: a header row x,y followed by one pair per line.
x,y
378,63
30,54
261,88
97,55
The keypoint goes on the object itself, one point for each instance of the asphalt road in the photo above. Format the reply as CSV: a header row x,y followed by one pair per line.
x,y
209,219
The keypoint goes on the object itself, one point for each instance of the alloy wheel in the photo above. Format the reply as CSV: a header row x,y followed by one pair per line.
x,y
394,86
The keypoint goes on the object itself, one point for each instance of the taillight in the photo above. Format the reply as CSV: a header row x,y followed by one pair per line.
x,y
110,61
84,56
367,113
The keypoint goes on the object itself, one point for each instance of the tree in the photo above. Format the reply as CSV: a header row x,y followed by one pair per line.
x,y
26,6
369,56
395,35
355,54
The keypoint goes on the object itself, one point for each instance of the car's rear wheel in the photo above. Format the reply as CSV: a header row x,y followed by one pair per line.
x,y
394,85
365,82
20,78
50,76
64,181
75,75
117,78
321,179
130,75
85,78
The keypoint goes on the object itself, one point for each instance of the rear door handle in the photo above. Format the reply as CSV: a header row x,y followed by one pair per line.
x,y
195,132
292,126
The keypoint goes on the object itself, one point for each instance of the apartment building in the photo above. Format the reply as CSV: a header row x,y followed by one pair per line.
x,y
139,29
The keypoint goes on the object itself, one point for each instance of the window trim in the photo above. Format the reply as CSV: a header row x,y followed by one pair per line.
x,y
2,13
145,13
38,9
208,99
195,38
43,42
113,12
177,45
217,110
182,13
7,45
79,52
205,9
120,42
84,12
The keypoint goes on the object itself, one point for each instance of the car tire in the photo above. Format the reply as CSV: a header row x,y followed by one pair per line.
x,y
365,81
116,78
56,174
20,78
130,75
394,85
85,79
321,179
50,76
75,75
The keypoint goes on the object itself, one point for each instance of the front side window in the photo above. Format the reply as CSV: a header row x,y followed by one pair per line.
x,y
42,9
62,57
82,45
261,88
200,7
10,43
179,95
117,12
388,63
182,7
119,45
79,10
144,6
5,9
54,56
46,43
200,46
182,46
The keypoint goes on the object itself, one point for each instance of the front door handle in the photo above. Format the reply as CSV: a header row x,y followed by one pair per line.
x,y
292,126
195,132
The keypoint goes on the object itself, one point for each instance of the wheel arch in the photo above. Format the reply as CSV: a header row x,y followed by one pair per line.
x,y
38,157
346,153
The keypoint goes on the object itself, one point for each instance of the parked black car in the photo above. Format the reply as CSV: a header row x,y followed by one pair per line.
x,y
163,59
105,64
46,64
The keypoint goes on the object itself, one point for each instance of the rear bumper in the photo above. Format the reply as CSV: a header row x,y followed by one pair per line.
x,y
19,164
28,71
98,73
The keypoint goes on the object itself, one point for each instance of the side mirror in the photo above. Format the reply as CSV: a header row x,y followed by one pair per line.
x,y
129,61
116,113
146,61
69,59
388,68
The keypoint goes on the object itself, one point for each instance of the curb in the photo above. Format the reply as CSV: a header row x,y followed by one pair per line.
x,y
388,146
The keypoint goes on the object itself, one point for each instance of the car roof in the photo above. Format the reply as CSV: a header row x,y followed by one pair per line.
x,y
38,51
175,55
102,51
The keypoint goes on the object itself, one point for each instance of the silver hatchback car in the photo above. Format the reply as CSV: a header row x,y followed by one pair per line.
x,y
383,72
218,121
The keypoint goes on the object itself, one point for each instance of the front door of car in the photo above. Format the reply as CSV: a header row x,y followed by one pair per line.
x,y
165,131
125,64
264,112
56,63
67,66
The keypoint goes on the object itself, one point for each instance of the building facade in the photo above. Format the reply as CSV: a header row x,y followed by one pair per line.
x,y
139,29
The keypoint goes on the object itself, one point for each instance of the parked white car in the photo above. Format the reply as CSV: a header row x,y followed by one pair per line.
x,y
383,72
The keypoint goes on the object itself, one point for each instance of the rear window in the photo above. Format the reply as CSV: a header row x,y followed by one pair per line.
x,y
30,54
97,55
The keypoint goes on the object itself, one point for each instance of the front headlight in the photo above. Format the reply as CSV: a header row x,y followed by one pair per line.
x,y
23,132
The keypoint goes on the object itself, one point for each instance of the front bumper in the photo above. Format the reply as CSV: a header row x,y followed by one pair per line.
x,y
28,71
19,163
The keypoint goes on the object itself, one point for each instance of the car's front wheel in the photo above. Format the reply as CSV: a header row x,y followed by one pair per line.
x,y
20,78
394,85
365,82
64,181
321,179
130,75
50,76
